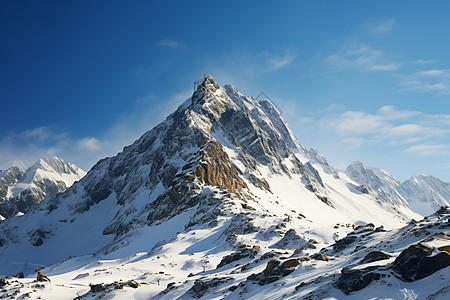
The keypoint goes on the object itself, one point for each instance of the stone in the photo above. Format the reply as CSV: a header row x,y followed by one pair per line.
x,y
3,282
95,288
235,256
344,242
291,263
202,287
320,256
375,256
133,283
290,240
41,277
356,279
416,262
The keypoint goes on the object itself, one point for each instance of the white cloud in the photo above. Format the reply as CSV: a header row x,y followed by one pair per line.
x,y
429,150
355,55
279,62
389,125
382,26
89,144
41,133
169,43
430,73
425,61
433,80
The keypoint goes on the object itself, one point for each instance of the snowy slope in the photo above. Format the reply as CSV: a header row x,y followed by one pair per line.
x,y
20,189
196,206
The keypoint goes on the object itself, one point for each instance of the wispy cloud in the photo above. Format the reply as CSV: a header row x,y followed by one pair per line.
x,y
89,144
382,26
41,133
356,55
169,43
425,61
278,62
433,80
389,125
429,150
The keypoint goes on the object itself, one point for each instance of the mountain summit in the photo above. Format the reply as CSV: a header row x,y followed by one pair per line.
x,y
218,199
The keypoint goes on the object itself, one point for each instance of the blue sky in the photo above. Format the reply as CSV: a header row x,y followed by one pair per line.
x,y
357,80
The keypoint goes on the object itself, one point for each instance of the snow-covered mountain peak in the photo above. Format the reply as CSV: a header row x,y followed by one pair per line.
x,y
22,189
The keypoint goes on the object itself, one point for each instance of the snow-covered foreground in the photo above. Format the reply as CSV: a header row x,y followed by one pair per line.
x,y
186,266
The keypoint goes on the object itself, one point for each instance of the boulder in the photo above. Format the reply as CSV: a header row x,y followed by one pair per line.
x,y
202,287
313,241
290,240
344,242
356,279
320,256
275,270
41,277
416,262
291,263
374,256
133,284
235,256
3,282
95,288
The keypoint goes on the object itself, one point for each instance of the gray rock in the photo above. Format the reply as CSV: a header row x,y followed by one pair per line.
x,y
416,262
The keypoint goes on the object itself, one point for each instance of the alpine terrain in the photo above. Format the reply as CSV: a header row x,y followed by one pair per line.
x,y
221,201
22,188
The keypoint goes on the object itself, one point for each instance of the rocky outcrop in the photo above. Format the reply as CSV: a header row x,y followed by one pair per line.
x,y
291,240
215,168
356,279
202,287
237,255
416,262
41,277
375,256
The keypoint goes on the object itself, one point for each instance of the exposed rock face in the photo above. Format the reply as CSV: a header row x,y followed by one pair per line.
x,y
215,168
416,262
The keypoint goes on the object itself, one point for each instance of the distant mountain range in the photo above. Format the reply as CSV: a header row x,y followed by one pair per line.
x,y
221,201
21,188
422,194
